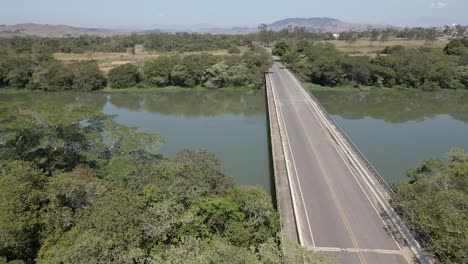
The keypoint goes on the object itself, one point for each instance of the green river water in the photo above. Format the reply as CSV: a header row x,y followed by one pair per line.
x,y
395,130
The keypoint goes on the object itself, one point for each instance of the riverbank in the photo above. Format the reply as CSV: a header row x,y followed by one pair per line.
x,y
173,89
348,88
210,120
135,90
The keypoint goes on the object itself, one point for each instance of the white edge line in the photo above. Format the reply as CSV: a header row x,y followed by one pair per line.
x,y
385,204
354,176
280,112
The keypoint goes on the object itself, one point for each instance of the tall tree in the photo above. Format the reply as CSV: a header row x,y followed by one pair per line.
x,y
374,36
124,76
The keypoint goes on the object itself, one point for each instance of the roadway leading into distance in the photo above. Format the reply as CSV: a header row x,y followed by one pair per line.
x,y
334,213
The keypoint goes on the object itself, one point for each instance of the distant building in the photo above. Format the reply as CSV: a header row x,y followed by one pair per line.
x,y
336,35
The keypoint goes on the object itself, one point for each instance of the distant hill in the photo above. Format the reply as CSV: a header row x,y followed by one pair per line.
x,y
321,24
317,24
55,31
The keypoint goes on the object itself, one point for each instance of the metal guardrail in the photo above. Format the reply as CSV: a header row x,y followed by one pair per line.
x,y
421,255
424,257
366,162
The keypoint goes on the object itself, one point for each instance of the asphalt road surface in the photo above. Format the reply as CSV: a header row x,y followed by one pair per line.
x,y
334,213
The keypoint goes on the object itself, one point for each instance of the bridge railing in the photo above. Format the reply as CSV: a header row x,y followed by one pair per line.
x,y
365,161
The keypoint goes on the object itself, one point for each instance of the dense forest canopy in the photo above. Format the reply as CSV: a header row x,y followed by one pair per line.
x,y
434,204
77,187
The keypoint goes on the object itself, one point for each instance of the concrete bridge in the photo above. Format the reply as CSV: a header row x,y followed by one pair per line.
x,y
329,196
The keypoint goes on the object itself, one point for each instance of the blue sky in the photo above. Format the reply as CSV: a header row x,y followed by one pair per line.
x,y
146,13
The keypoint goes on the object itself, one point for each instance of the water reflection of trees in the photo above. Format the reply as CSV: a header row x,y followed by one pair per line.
x,y
205,103
395,106
61,99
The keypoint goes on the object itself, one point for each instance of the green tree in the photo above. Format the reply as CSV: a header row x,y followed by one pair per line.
x,y
181,76
352,37
16,70
384,36
52,77
124,76
157,72
132,51
374,36
87,77
460,30
107,232
433,203
464,76
457,47
263,35
234,50
238,75
67,194
21,199
216,76
196,65
357,69
280,48
393,49
431,35
50,137
217,250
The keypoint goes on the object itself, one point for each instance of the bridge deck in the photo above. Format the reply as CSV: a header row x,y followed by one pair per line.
x,y
334,209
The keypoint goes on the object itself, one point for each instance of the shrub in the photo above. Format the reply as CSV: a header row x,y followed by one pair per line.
x,y
126,75
215,76
457,47
87,77
393,49
181,76
234,50
53,77
238,75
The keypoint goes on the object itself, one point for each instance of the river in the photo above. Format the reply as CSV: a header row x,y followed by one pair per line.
x,y
395,130
231,124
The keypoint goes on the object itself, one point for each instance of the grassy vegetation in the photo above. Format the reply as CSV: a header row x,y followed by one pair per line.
x,y
364,47
110,60
87,72
345,88
12,90
172,89
318,87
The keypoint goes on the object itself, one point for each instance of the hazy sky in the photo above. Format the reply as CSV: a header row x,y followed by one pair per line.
x,y
144,13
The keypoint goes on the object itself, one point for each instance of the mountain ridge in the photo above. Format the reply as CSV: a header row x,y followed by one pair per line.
x,y
321,24
316,24
55,31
